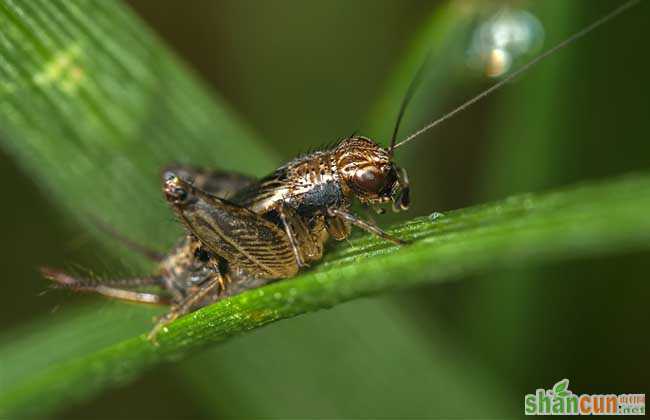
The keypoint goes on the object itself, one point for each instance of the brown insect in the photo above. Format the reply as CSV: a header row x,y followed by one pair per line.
x,y
266,230
243,233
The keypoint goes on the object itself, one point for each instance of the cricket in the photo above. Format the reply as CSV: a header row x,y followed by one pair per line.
x,y
242,233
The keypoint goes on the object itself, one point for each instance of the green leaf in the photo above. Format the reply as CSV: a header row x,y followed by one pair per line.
x,y
369,356
93,106
560,389
530,229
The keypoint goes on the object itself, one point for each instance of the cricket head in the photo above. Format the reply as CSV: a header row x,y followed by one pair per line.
x,y
367,171
177,192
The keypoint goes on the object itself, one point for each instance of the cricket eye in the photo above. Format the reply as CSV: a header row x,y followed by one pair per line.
x,y
370,179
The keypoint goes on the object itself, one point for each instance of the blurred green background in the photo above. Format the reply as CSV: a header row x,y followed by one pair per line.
x,y
305,73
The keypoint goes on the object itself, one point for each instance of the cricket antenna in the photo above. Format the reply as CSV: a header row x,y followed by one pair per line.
x,y
410,91
609,16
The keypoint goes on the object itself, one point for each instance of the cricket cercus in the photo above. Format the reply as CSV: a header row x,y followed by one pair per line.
x,y
269,229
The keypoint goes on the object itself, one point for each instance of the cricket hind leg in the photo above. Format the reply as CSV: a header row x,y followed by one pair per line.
x,y
117,288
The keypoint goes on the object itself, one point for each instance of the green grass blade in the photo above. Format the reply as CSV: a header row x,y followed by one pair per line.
x,y
366,359
93,106
586,220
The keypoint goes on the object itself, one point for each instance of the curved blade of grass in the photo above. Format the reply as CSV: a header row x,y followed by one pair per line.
x,y
93,106
365,359
585,220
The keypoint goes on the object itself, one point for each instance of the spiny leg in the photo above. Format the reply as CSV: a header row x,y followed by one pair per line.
x,y
295,247
362,224
66,281
185,306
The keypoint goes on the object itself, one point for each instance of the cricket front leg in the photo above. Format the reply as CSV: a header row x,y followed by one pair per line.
x,y
362,224
116,288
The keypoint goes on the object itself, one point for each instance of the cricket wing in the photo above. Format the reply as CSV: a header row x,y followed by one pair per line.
x,y
246,240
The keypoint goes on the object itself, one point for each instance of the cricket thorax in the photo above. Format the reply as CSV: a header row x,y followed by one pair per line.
x,y
357,168
306,184
314,183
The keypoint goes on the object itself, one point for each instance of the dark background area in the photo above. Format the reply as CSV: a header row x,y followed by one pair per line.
x,y
305,73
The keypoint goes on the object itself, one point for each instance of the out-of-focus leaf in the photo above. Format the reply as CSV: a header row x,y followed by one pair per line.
x,y
93,105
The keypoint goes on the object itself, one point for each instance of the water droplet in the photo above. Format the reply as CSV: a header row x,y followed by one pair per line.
x,y
502,38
